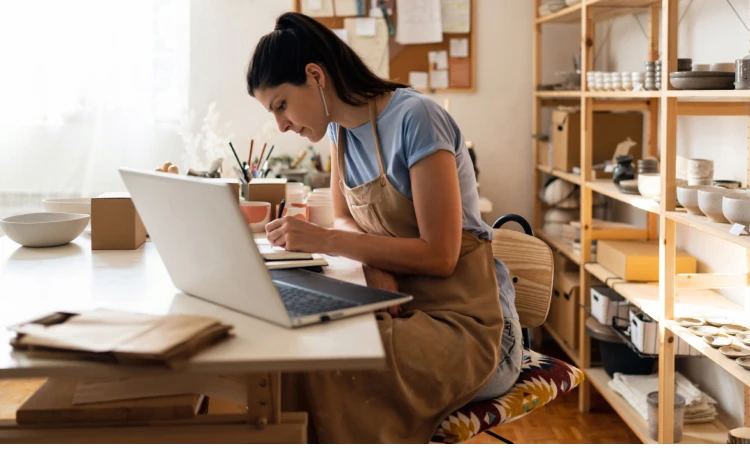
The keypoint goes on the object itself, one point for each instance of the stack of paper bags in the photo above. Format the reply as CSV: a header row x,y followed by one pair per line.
x,y
119,337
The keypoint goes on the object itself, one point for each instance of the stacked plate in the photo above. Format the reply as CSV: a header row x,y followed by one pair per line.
x,y
689,80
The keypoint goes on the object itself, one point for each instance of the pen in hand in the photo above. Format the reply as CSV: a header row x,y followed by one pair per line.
x,y
281,208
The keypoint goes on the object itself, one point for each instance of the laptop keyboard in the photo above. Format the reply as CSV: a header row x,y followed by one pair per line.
x,y
302,302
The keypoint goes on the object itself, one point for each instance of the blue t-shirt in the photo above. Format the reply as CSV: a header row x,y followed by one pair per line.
x,y
411,127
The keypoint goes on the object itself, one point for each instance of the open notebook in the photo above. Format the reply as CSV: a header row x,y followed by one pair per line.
x,y
279,258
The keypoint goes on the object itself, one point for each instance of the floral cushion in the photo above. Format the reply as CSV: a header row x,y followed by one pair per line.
x,y
542,379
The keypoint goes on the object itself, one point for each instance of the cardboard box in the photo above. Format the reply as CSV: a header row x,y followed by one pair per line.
x,y
272,190
544,153
634,260
563,312
609,130
563,264
115,223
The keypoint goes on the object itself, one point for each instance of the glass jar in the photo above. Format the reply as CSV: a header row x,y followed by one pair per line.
x,y
653,416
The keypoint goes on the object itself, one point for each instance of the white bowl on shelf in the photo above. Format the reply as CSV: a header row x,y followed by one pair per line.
x,y
37,230
649,185
710,202
687,196
736,208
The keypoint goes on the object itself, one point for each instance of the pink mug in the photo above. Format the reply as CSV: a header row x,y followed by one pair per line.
x,y
257,214
300,211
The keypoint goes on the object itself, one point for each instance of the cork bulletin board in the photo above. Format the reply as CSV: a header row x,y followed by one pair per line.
x,y
414,57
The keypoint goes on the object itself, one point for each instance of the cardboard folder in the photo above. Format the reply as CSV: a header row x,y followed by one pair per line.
x,y
119,337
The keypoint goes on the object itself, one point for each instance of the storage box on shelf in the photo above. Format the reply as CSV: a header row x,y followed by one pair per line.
x,y
609,130
634,260
563,312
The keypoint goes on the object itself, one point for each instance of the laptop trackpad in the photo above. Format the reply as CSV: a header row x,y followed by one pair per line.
x,y
333,287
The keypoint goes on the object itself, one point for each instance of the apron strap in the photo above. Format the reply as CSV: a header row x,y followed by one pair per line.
x,y
341,147
341,152
378,151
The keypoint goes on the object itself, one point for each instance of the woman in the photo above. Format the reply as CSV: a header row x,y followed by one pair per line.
x,y
405,204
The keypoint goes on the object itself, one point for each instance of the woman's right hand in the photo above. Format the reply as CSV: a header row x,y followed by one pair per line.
x,y
378,278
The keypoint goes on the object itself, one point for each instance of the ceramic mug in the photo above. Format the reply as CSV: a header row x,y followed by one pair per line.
x,y
321,214
295,209
700,168
257,214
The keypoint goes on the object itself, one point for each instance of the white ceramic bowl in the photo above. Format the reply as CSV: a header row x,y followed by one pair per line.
x,y
649,185
736,208
82,205
687,196
710,202
44,229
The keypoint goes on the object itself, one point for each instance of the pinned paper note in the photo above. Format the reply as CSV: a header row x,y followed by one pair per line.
x,y
456,16
438,60
418,80
459,47
317,8
365,26
439,79
343,34
419,21
345,7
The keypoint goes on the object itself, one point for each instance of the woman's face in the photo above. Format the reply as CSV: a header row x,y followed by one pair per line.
x,y
297,108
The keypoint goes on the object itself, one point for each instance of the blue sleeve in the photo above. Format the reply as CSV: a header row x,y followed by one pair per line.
x,y
333,133
427,129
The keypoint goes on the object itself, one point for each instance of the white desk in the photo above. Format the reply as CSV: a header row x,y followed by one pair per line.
x,y
34,282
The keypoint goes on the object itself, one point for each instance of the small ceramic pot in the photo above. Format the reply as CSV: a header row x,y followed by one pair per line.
x,y
624,169
710,202
736,208
687,196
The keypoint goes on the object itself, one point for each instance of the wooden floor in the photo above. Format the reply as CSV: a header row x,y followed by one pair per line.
x,y
560,422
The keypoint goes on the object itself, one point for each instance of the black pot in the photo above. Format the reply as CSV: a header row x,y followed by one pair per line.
x,y
624,169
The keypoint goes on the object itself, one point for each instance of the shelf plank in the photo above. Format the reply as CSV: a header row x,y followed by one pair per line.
x,y
569,177
710,96
701,223
572,354
568,15
557,94
700,433
622,94
688,302
608,188
557,244
609,9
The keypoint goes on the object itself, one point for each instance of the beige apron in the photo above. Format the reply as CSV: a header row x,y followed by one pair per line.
x,y
440,351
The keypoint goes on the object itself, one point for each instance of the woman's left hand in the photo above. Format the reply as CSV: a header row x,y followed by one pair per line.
x,y
293,234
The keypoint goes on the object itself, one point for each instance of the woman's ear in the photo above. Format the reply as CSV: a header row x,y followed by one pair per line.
x,y
316,73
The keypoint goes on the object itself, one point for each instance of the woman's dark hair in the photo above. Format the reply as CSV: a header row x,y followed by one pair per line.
x,y
298,40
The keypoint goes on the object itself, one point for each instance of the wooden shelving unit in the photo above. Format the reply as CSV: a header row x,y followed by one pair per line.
x,y
559,245
673,296
570,177
572,354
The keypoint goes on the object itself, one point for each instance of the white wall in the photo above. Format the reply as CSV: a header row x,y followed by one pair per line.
x,y
710,32
223,36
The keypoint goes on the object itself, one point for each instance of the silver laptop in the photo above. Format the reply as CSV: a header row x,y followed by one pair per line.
x,y
209,251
